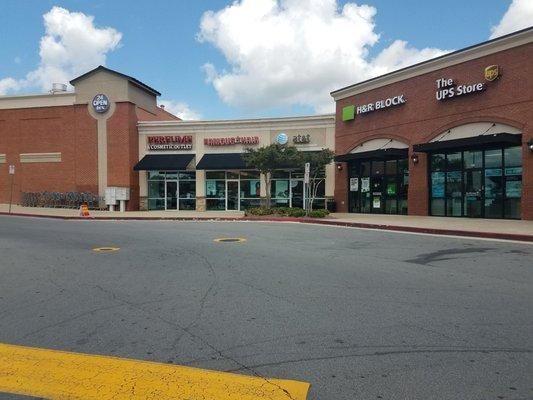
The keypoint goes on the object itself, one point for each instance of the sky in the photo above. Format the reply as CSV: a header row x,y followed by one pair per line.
x,y
215,59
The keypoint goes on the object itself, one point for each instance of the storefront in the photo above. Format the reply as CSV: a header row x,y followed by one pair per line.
x,y
199,164
448,137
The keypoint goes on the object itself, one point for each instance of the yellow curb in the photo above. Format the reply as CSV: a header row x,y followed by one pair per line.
x,y
59,375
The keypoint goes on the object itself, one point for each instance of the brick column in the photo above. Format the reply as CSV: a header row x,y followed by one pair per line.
x,y
417,197
527,175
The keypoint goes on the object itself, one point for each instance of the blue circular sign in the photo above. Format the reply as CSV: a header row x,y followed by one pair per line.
x,y
282,138
100,103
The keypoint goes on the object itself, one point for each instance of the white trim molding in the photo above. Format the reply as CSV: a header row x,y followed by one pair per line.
x,y
40,157
497,45
2,158
37,100
213,126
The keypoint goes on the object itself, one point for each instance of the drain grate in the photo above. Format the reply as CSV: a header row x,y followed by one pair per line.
x,y
230,240
106,249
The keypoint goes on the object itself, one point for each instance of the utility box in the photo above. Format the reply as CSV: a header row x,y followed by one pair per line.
x,y
122,193
110,196
115,194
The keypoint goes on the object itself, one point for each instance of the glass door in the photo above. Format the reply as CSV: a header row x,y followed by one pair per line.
x,y
297,193
473,181
232,195
171,195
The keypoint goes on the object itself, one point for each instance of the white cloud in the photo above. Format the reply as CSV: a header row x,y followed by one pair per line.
x,y
518,16
295,52
180,110
71,46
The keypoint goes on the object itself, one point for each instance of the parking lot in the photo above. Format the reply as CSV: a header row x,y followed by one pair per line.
x,y
358,314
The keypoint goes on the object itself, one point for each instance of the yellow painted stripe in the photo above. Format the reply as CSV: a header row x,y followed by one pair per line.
x,y
61,375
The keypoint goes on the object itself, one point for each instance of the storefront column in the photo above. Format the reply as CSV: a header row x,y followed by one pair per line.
x,y
527,175
143,190
417,197
200,190
341,187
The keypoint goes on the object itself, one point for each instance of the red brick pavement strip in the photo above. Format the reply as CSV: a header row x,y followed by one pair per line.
x,y
330,222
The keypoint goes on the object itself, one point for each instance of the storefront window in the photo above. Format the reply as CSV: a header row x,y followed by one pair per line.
x,y
232,190
382,186
171,190
477,183
287,189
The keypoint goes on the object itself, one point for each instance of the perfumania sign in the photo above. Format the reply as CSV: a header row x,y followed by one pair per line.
x,y
170,142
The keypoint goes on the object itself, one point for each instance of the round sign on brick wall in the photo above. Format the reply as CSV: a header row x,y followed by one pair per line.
x,y
100,103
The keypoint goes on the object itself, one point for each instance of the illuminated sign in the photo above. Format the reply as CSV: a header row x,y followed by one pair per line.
x,y
231,141
282,138
301,139
100,103
446,89
170,142
350,112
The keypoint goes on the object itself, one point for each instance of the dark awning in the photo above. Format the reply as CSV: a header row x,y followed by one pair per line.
x,y
169,162
222,161
380,154
476,141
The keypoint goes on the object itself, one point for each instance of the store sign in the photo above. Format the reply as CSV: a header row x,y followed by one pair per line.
x,y
231,141
354,184
301,139
170,142
350,112
365,185
282,138
446,89
100,103
492,72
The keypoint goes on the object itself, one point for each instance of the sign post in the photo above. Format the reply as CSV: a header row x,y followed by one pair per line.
x,y
12,175
306,185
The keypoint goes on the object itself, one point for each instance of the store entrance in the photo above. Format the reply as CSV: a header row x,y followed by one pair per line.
x,y
378,186
171,195
232,198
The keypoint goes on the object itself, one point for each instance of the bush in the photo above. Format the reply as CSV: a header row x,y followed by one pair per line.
x,y
283,211
296,212
319,213
259,211
279,211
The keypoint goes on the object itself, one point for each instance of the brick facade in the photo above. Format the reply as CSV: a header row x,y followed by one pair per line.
x,y
68,130
507,100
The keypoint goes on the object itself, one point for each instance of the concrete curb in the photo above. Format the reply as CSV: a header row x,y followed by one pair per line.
x,y
330,222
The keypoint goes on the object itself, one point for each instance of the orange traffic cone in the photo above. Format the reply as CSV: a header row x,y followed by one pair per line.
x,y
84,211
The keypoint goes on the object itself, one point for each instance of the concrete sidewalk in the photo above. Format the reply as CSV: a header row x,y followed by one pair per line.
x,y
73,213
487,228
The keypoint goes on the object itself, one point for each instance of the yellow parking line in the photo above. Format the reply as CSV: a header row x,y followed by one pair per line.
x,y
61,375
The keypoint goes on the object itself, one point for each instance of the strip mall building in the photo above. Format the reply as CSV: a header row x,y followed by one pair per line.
x,y
110,133
452,136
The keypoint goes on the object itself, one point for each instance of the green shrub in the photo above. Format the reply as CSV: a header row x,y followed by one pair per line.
x,y
283,211
296,212
319,213
259,211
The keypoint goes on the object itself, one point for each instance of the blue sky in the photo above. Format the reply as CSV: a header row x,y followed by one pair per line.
x,y
159,46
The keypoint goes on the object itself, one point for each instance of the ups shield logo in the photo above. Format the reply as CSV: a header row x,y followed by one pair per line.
x,y
492,72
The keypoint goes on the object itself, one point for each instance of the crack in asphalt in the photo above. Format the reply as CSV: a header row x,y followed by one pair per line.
x,y
387,353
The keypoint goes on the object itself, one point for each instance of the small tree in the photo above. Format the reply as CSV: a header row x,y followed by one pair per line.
x,y
269,158
318,160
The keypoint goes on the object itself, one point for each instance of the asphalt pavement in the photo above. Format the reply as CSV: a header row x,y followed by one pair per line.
x,y
359,314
